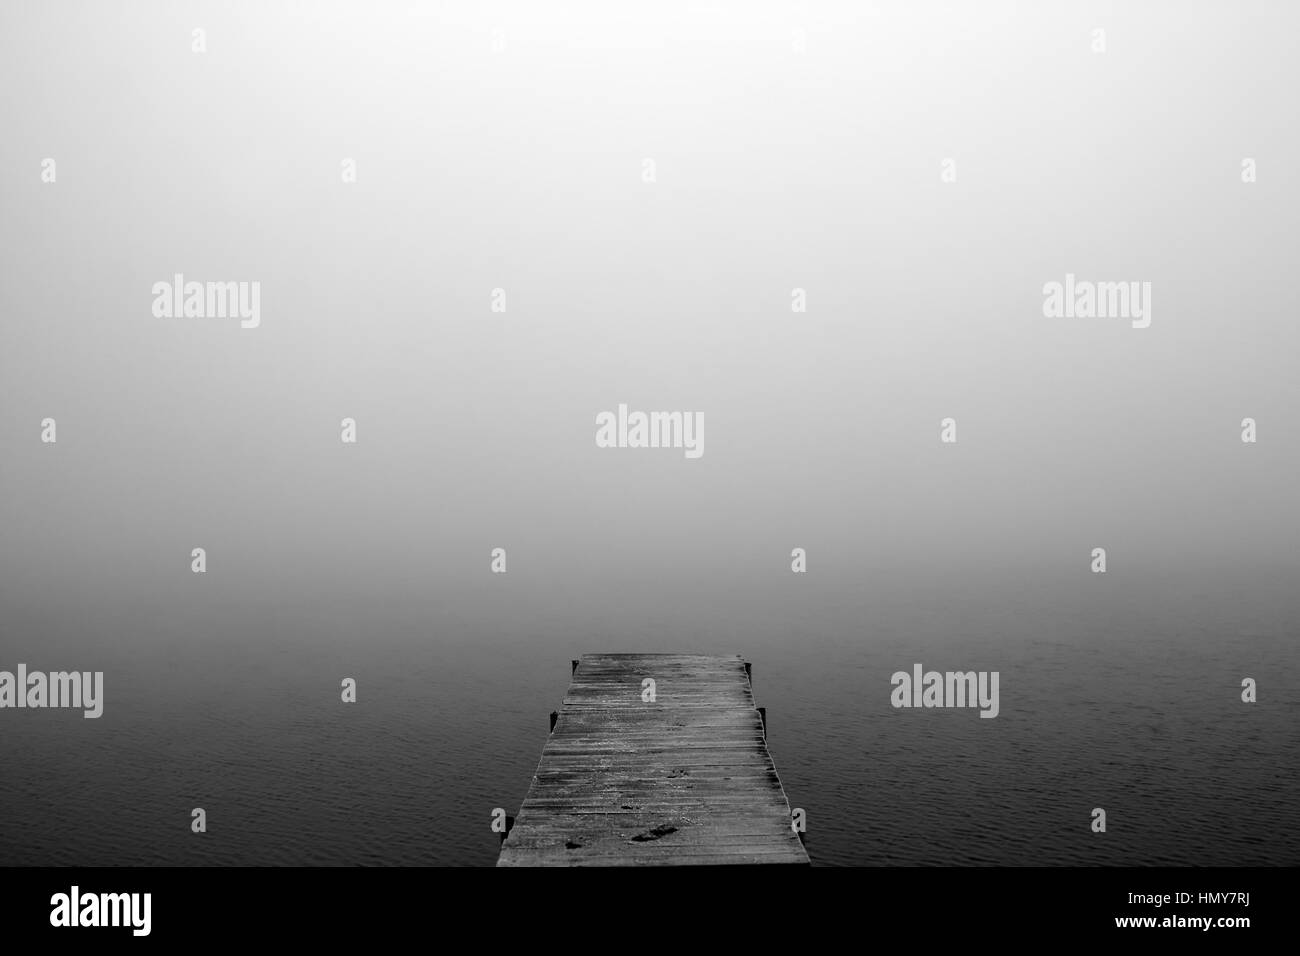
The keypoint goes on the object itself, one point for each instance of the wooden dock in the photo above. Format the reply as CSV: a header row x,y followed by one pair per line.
x,y
685,779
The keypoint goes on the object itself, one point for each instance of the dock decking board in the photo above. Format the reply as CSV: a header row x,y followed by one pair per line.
x,y
686,780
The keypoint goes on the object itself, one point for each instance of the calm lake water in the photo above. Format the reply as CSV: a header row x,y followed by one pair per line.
x,y
1128,701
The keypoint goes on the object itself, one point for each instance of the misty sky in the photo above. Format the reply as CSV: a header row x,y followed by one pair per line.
x,y
522,170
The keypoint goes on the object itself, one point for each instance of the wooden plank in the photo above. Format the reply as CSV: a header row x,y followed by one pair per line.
x,y
684,780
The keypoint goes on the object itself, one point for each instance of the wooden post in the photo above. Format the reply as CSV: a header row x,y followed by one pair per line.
x,y
510,822
554,717
749,673
762,715
574,668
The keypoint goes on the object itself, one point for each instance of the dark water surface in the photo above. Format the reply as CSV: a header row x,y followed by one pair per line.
x,y
1125,700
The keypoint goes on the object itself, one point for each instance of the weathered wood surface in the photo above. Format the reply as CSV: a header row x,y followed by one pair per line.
x,y
686,779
